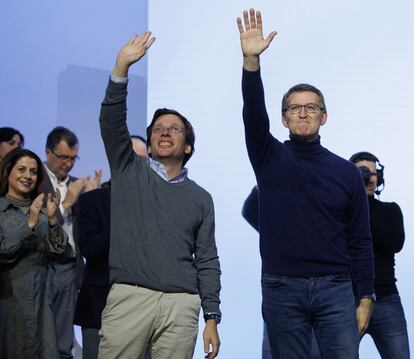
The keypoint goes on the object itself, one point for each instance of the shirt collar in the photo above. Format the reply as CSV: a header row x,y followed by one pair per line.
x,y
54,178
159,168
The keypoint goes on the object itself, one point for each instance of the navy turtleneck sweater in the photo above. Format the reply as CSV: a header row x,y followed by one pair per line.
x,y
313,207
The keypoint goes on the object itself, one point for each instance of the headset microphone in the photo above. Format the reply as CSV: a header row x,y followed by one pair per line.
x,y
365,171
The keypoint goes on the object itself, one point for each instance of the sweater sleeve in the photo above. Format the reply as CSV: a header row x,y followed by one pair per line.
x,y
387,227
360,242
11,246
256,120
207,263
114,130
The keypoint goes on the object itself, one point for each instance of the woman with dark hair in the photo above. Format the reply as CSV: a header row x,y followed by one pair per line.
x,y
29,234
10,139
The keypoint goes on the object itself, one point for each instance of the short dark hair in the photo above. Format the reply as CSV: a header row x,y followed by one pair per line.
x,y
9,162
303,88
363,155
189,130
58,134
7,133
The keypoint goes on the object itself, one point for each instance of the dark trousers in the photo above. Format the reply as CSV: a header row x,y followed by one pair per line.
x,y
388,328
266,353
90,343
294,308
65,292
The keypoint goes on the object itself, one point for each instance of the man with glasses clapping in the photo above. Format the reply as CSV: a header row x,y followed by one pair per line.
x,y
62,148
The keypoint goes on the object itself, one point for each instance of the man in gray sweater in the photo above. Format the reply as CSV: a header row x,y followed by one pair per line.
x,y
163,257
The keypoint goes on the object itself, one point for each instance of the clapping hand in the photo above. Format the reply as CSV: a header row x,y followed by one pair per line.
x,y
75,188
95,182
34,211
52,207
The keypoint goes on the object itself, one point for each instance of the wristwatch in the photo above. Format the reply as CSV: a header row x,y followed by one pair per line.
x,y
369,296
214,316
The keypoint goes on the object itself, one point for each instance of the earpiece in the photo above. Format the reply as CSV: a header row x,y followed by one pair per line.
x,y
359,156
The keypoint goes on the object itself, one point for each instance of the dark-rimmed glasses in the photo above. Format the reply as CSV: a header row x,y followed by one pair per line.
x,y
66,158
309,108
172,129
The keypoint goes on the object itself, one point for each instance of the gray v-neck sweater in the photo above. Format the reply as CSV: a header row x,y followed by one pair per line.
x,y
162,234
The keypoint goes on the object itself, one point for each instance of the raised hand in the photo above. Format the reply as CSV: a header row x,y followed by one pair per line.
x,y
251,38
75,188
95,182
52,207
34,211
132,52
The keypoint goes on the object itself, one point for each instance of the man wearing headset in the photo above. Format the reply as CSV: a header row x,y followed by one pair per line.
x,y
387,326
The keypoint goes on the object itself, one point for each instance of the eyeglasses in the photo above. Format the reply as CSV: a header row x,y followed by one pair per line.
x,y
172,129
66,158
309,108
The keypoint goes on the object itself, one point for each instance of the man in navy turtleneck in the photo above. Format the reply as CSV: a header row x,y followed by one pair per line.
x,y
315,240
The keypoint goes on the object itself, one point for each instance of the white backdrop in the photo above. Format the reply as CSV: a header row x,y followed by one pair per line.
x,y
360,54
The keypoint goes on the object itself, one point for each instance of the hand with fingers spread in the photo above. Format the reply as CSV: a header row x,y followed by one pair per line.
x,y
34,211
132,52
75,188
251,37
211,339
52,207
95,182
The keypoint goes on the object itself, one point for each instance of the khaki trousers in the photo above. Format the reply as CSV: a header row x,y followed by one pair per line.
x,y
137,318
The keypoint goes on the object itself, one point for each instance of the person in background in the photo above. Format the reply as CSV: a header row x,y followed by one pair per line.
x,y
29,234
61,150
250,213
10,139
387,327
93,233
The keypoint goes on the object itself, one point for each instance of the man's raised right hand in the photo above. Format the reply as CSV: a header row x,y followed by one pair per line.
x,y
132,52
251,38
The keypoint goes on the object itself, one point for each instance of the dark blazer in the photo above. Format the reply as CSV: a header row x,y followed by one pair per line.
x,y
93,225
47,187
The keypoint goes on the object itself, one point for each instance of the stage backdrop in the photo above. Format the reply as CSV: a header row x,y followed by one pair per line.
x,y
56,59
360,54
57,56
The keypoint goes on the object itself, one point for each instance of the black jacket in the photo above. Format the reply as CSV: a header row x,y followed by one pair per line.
x,y
93,232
